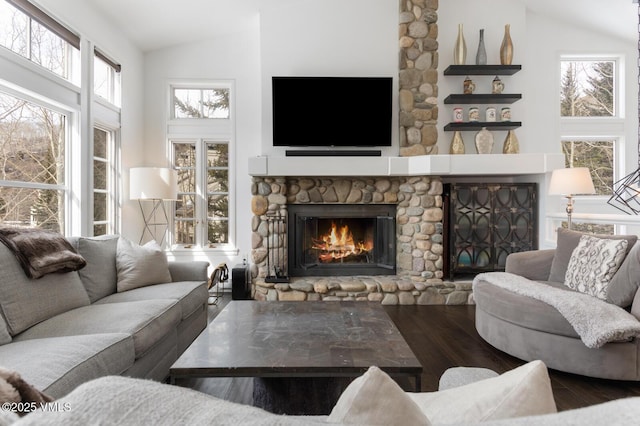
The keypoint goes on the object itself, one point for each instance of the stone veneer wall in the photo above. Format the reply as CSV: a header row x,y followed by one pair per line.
x,y
418,77
419,217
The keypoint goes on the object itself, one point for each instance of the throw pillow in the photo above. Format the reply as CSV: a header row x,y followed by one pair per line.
x,y
376,399
523,391
140,266
99,276
25,302
593,264
625,282
567,242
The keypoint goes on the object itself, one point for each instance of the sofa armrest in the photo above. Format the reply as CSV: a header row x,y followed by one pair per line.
x,y
189,271
534,265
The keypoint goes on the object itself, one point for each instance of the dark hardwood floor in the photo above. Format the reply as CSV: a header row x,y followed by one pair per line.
x,y
444,337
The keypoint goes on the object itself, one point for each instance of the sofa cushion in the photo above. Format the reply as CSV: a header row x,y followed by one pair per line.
x,y
625,283
191,295
523,391
99,276
391,403
593,264
147,321
139,266
567,242
25,302
524,311
56,365
5,337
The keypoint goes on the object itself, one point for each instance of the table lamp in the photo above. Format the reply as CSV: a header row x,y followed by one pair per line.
x,y
569,182
156,184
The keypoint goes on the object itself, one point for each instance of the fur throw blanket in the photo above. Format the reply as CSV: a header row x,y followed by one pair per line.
x,y
13,389
596,321
41,252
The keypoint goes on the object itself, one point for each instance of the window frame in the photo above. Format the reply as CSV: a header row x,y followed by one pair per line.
x,y
598,128
202,131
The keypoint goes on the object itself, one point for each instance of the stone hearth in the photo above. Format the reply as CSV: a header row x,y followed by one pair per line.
x,y
419,215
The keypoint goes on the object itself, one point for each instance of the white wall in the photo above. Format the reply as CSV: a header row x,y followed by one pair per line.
x,y
328,38
84,20
232,57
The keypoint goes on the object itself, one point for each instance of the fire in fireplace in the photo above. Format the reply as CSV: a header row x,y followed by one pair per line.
x,y
337,239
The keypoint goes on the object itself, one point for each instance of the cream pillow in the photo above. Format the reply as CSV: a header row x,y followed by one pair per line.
x,y
523,391
593,264
139,266
376,399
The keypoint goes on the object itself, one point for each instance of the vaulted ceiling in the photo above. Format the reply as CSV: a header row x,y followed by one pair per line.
x,y
156,24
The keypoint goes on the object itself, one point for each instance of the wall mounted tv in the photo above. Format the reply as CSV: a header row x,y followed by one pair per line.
x,y
332,111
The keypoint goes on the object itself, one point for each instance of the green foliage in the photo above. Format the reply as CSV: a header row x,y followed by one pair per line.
x,y
597,156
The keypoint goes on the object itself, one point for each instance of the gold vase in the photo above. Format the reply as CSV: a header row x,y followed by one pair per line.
x,y
506,49
457,144
511,144
460,48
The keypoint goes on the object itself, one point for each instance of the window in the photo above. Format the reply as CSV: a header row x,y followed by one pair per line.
x,y
203,214
589,109
597,155
106,78
32,155
103,182
200,103
587,88
27,31
203,192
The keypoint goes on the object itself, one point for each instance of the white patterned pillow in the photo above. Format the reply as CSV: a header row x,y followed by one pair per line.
x,y
593,264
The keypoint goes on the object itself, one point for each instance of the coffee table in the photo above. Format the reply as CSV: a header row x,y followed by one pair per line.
x,y
298,340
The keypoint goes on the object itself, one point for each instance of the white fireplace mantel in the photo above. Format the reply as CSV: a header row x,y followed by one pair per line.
x,y
424,165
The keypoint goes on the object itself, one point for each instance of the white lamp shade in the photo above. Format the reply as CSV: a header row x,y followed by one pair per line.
x,y
571,181
153,183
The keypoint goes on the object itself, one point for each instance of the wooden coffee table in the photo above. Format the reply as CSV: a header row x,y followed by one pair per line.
x,y
298,340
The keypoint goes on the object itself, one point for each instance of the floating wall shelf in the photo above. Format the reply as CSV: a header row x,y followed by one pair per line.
x,y
482,69
502,98
478,125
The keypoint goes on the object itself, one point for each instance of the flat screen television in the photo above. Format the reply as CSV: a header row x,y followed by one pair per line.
x,y
332,111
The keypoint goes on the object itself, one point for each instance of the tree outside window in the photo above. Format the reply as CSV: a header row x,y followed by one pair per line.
x,y
587,89
32,161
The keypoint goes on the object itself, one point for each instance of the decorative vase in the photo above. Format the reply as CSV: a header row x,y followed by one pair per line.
x,y
511,144
457,144
481,55
484,141
460,49
506,49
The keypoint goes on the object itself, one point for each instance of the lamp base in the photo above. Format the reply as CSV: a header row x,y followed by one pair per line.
x,y
152,221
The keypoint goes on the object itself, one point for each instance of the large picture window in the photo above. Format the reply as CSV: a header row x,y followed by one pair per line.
x,y
32,159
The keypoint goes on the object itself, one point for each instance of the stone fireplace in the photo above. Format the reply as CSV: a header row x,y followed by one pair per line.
x,y
415,204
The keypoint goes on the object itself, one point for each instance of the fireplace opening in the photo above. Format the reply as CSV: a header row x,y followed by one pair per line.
x,y
337,239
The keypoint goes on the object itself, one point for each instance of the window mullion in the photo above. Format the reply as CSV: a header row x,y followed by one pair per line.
x,y
201,194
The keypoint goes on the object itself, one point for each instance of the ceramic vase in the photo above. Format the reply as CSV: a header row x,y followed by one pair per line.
x,y
457,144
511,144
484,141
460,48
481,54
506,49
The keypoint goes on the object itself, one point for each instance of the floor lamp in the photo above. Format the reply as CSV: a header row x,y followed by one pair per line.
x,y
157,185
570,182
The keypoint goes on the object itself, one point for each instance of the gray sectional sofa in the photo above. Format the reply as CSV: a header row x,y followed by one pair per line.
x,y
531,329
65,329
